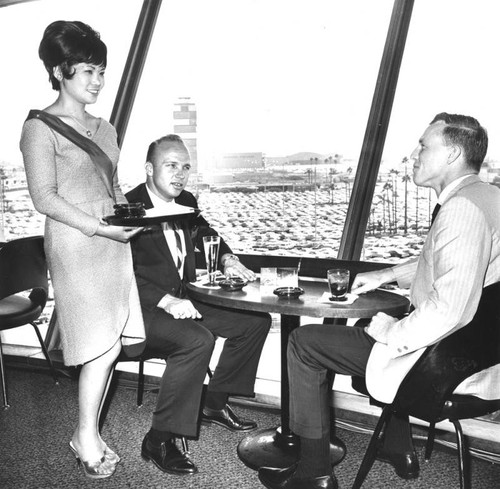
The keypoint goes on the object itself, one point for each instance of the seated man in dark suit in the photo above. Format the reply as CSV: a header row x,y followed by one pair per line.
x,y
181,330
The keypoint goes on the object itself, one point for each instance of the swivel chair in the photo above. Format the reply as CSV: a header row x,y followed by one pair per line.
x,y
426,392
23,268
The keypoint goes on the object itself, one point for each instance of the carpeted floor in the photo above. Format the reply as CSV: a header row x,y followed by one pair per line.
x,y
35,431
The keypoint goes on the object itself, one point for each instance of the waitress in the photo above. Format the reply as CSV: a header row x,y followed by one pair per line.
x,y
70,157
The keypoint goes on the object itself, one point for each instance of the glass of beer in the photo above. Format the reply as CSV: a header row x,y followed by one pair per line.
x,y
338,280
211,245
287,277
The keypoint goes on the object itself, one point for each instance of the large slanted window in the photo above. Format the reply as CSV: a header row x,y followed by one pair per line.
x,y
273,99
448,66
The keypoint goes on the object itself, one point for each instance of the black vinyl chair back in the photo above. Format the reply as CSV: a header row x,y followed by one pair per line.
x,y
427,390
446,364
23,267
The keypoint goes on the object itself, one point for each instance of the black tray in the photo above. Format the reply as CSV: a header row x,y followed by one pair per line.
x,y
147,221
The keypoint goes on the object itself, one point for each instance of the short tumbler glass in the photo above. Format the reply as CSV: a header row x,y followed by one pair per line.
x,y
338,280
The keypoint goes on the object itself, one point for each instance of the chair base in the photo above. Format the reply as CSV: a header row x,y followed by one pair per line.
x,y
53,371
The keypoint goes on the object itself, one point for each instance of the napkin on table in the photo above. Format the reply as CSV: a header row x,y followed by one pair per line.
x,y
325,298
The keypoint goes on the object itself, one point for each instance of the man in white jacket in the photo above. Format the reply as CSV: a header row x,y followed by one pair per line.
x,y
460,257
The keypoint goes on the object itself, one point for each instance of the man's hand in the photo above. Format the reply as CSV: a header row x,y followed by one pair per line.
x,y
181,308
234,268
364,282
380,326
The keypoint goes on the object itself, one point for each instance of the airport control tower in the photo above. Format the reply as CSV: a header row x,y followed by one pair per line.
x,y
185,127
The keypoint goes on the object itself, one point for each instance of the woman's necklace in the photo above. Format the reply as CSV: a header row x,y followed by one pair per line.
x,y
88,132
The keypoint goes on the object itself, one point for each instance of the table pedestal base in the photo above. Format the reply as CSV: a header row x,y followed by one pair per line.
x,y
269,448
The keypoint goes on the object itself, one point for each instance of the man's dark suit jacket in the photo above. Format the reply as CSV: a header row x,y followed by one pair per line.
x,y
155,270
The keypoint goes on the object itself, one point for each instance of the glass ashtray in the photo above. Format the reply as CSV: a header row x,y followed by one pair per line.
x,y
232,284
288,292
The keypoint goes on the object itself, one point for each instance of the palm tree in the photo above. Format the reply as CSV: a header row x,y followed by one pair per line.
x,y
381,202
406,179
332,193
371,221
395,196
388,187
348,183
331,173
309,176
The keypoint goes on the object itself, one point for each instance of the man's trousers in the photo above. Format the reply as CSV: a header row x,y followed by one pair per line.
x,y
187,345
313,350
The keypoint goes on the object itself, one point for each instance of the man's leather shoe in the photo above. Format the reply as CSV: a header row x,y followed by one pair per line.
x,y
283,479
227,418
338,450
168,457
405,463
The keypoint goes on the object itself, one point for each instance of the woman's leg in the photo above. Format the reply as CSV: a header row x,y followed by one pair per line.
x,y
92,387
109,453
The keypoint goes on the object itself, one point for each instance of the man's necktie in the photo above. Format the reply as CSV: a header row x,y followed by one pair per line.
x,y
434,212
178,242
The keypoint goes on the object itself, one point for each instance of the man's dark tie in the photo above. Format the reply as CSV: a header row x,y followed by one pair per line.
x,y
178,241
434,212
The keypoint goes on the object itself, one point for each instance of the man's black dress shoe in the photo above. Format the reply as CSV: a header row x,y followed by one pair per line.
x,y
283,479
227,418
168,457
405,463
338,450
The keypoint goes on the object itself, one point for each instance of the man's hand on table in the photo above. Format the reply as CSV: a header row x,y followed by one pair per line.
x,y
234,268
364,282
179,308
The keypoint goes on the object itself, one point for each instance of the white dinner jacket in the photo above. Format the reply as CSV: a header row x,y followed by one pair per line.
x,y
460,256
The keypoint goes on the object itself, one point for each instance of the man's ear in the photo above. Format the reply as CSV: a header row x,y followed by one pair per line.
x,y
455,152
149,168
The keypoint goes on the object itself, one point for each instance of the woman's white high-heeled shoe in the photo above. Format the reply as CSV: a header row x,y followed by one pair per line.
x,y
94,470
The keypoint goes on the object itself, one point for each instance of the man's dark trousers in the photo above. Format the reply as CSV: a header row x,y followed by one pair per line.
x,y
187,346
313,350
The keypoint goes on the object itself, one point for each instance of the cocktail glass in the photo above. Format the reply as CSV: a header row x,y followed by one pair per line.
x,y
211,245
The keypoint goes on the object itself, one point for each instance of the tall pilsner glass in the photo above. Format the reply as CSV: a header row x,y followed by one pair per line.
x,y
211,245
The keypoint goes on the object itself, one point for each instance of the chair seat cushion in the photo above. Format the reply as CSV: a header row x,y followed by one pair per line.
x,y
464,407
17,310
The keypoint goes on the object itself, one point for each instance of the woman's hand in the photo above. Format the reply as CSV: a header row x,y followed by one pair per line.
x,y
117,233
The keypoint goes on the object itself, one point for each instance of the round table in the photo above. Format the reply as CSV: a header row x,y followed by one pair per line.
x,y
278,447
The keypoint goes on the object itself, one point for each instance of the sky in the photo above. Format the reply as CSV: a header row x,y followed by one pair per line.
x,y
277,76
